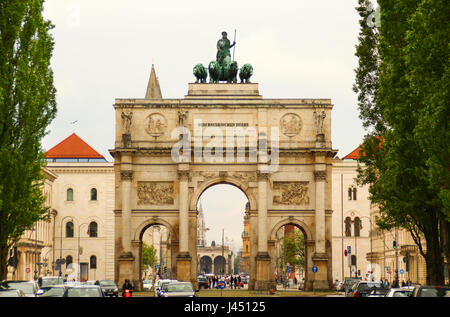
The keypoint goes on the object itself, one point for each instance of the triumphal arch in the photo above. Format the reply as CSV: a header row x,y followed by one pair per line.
x,y
169,151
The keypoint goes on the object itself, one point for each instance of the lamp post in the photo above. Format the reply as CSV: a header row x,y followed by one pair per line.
x,y
60,246
79,269
370,237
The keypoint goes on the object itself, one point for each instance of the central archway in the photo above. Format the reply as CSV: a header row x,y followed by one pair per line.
x,y
221,212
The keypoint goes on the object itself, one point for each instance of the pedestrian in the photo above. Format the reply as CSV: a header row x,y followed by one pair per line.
x,y
231,281
239,281
127,287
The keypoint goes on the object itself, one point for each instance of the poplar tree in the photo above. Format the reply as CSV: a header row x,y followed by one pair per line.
x,y
406,151
27,106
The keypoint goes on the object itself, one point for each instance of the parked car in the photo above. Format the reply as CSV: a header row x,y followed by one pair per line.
x,y
29,288
11,293
363,288
378,292
177,289
52,291
158,285
399,292
431,291
202,282
109,288
84,291
147,285
45,281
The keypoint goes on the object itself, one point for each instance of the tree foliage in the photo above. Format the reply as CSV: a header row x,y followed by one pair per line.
x,y
406,152
27,106
148,256
292,250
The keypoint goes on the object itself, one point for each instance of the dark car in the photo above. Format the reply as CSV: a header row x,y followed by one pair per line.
x,y
84,291
431,291
109,288
363,288
202,282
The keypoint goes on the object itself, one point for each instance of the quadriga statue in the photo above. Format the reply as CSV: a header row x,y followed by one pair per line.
x,y
200,73
245,73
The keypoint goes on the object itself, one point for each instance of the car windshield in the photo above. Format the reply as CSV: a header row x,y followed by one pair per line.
x,y
54,292
107,283
179,288
405,293
52,281
83,292
27,288
367,286
435,292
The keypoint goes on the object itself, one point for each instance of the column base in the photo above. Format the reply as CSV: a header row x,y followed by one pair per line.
x,y
126,263
263,281
184,266
320,278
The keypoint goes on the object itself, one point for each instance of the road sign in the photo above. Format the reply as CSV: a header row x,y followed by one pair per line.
x,y
221,284
315,269
27,270
402,271
288,270
349,249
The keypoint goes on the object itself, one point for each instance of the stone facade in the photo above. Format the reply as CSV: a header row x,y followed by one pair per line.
x,y
145,156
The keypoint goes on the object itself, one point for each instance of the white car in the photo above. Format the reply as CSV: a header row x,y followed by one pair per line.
x,y
159,284
147,285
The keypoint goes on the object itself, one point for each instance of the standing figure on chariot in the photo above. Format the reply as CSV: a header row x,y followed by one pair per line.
x,y
223,49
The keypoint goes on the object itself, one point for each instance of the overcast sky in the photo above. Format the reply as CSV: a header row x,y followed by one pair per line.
x,y
104,50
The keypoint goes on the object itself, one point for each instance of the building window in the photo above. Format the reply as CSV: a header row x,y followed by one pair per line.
x,y
69,229
93,194
358,226
69,261
348,227
69,194
93,230
352,193
93,262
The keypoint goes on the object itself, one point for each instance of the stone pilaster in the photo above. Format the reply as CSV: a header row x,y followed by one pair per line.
x,y
126,177
184,258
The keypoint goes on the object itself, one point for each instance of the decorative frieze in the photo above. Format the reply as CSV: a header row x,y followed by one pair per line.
x,y
290,193
290,124
155,193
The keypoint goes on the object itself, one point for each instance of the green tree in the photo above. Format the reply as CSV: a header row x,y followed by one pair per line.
x,y
405,154
27,106
292,250
148,256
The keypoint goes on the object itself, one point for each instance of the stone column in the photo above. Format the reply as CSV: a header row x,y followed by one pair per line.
x,y
320,257
126,178
262,258
183,258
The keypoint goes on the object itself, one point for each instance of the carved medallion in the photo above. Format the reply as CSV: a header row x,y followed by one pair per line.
x,y
290,124
290,193
155,193
156,124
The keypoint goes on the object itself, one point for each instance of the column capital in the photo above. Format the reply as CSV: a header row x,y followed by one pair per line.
x,y
261,175
320,175
126,175
183,175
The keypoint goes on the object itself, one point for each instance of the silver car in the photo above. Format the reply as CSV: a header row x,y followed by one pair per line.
x,y
178,289
84,291
29,288
399,292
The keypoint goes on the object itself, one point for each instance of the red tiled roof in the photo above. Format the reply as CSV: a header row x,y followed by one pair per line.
x,y
72,147
353,155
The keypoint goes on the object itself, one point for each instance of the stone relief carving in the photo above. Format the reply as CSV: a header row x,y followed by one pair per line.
x,y
290,193
126,175
290,124
126,121
319,117
245,177
156,124
155,193
182,116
